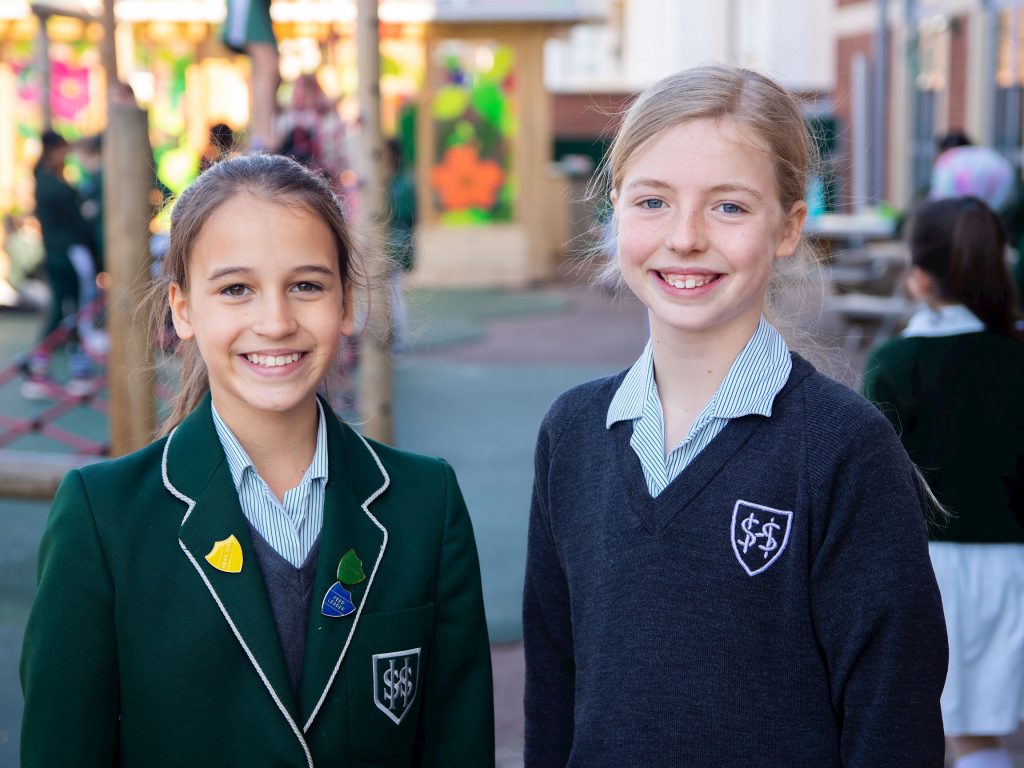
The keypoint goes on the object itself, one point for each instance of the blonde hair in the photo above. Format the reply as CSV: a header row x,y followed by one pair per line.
x,y
270,177
715,92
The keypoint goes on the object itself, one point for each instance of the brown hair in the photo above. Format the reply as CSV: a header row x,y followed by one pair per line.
x,y
271,177
961,242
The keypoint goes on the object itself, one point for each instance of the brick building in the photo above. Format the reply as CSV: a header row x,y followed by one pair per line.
x,y
948,65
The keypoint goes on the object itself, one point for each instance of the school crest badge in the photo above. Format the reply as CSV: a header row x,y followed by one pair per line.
x,y
759,535
396,678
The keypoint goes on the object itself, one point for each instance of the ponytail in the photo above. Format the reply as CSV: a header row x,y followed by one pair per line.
x,y
961,242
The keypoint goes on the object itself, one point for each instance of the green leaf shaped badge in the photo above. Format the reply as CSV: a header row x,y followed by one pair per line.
x,y
350,569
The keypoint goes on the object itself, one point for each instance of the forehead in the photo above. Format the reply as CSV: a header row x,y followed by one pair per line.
x,y
696,149
244,210
246,226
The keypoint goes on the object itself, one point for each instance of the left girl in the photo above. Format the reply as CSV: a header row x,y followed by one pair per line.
x,y
262,586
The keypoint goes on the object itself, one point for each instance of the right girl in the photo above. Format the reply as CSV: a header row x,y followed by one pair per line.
x,y
727,557
952,388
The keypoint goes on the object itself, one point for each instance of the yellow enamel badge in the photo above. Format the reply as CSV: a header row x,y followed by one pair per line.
x,y
226,555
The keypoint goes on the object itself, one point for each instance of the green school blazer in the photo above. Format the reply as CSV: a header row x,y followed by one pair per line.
x,y
138,652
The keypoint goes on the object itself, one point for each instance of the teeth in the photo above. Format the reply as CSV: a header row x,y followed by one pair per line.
x,y
687,282
272,361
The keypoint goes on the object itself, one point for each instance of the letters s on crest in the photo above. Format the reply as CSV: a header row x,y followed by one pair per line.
x,y
759,535
396,679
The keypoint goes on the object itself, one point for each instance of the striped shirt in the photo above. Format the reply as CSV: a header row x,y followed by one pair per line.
x,y
290,528
749,387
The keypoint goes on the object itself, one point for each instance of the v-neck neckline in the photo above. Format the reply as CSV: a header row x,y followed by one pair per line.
x,y
655,513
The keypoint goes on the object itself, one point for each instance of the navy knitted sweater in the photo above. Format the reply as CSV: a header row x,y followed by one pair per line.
x,y
774,606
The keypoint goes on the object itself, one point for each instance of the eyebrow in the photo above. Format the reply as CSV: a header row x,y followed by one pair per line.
x,y
658,183
718,188
736,188
318,269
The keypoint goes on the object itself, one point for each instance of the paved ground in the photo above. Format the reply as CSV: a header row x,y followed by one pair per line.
x,y
521,363
480,369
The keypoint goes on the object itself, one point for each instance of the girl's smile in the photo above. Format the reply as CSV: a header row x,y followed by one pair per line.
x,y
277,362
266,306
691,282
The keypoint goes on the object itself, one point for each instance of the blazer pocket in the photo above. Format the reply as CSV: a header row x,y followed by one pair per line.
x,y
387,667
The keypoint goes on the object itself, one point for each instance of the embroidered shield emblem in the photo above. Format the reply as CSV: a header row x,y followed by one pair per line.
x,y
396,678
759,535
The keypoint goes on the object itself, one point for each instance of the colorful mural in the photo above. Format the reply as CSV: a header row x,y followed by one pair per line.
x,y
475,116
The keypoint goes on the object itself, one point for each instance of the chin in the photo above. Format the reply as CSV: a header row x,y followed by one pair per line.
x,y
281,404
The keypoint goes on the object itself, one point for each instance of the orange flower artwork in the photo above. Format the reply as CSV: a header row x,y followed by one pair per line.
x,y
464,181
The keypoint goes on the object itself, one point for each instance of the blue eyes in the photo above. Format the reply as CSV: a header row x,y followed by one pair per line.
x,y
654,204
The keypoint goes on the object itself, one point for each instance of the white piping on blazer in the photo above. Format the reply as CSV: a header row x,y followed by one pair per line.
x,y
334,673
373,573
259,670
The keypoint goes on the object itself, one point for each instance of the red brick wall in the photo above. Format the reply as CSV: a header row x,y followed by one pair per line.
x,y
846,48
957,86
588,115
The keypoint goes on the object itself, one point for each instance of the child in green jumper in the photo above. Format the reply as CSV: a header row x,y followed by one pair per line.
x,y
951,385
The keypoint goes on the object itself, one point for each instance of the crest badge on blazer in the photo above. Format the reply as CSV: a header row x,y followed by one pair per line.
x,y
396,680
759,535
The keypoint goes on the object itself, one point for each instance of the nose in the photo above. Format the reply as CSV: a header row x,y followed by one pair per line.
x,y
687,234
275,318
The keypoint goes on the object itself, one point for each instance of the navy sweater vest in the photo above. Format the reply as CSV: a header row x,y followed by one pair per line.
x,y
290,590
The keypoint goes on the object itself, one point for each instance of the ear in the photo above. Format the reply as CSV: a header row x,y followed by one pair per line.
x,y
792,229
614,197
348,313
178,301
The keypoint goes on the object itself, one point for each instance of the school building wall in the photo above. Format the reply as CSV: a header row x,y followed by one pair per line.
x,y
951,42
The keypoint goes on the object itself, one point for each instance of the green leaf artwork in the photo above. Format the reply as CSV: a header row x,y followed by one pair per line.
x,y
489,101
450,102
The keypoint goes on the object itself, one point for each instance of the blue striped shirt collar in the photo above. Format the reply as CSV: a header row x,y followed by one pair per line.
x,y
764,361
239,461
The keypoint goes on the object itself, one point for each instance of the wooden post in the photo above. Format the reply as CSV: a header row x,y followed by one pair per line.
x,y
127,181
109,49
375,372
42,62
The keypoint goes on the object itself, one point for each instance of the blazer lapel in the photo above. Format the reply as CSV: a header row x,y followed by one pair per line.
x,y
356,478
196,472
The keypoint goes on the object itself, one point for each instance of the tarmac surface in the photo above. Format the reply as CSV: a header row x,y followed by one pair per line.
x,y
478,371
